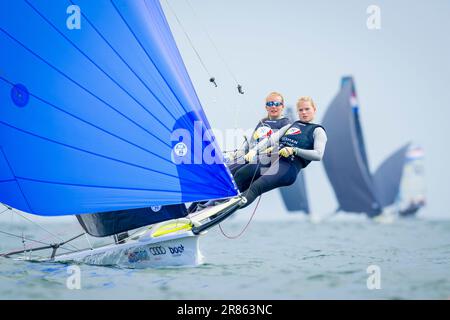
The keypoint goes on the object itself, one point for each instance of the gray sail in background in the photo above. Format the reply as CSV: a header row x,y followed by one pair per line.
x,y
345,159
294,196
388,176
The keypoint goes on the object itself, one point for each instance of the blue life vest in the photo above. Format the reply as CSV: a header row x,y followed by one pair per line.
x,y
300,135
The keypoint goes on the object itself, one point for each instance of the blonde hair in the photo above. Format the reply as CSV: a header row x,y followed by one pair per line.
x,y
306,99
275,93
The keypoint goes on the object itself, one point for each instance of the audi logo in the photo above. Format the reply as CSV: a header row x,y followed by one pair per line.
x,y
156,251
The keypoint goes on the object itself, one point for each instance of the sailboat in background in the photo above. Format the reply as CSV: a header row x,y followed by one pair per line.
x,y
294,196
102,122
400,180
345,160
395,184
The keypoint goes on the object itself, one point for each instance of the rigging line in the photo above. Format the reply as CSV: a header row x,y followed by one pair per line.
x,y
41,227
147,54
254,211
246,226
29,239
212,42
89,242
80,86
189,39
98,67
149,57
120,56
5,210
30,247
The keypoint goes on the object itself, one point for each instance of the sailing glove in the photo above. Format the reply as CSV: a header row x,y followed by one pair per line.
x,y
286,152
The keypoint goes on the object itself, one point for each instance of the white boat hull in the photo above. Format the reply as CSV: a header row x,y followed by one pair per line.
x,y
177,250
169,243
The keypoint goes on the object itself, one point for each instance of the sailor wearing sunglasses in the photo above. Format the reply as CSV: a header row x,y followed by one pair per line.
x,y
267,126
295,146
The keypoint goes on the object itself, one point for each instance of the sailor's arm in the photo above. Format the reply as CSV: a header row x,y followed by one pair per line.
x,y
272,140
320,140
264,144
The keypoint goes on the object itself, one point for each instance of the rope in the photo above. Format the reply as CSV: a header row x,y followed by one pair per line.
x,y
5,210
214,45
29,246
191,43
254,210
246,226
37,224
22,237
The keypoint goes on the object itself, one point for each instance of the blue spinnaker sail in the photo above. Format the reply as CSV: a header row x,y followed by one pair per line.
x,y
98,118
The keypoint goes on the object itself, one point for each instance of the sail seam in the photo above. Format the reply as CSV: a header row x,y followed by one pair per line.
x,y
104,130
106,187
157,69
10,180
123,60
15,178
148,56
86,151
89,123
85,89
103,156
104,72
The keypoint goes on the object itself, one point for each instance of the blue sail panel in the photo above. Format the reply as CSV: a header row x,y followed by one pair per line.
x,y
9,187
11,190
89,116
5,171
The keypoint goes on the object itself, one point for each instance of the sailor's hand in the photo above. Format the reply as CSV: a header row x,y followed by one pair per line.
x,y
250,155
268,151
286,152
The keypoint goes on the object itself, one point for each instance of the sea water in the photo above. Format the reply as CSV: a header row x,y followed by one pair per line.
x,y
292,259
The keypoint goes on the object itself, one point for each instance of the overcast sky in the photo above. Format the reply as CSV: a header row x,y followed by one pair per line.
x,y
401,71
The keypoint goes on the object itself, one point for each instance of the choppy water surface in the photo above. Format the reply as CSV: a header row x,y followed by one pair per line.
x,y
273,260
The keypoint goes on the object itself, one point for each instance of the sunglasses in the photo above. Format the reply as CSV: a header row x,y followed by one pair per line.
x,y
273,103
